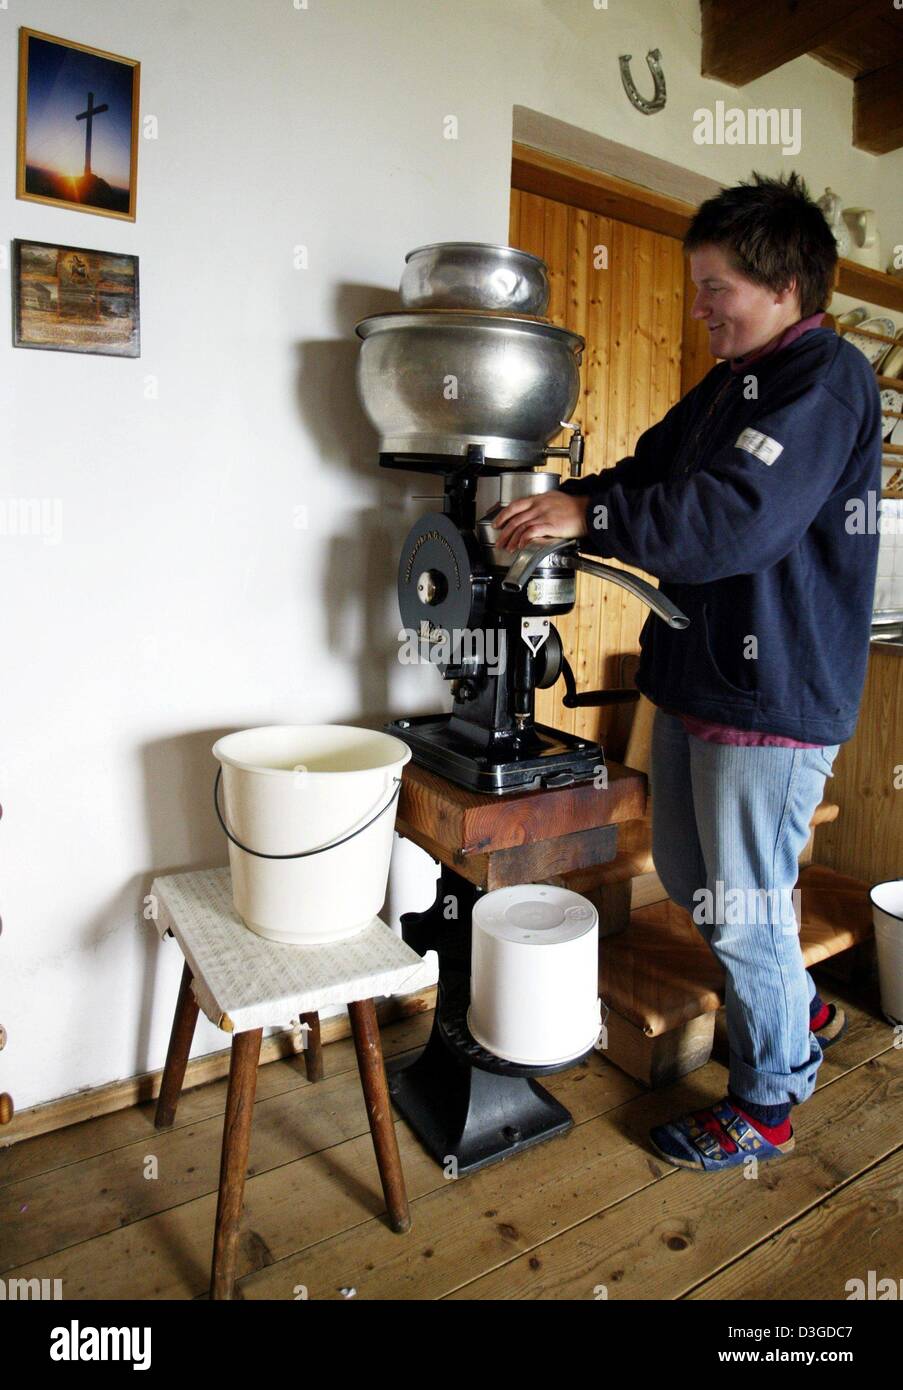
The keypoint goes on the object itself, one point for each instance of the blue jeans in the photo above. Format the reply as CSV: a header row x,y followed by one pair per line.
x,y
728,826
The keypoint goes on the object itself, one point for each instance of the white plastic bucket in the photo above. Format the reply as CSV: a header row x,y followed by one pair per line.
x,y
289,789
887,916
535,975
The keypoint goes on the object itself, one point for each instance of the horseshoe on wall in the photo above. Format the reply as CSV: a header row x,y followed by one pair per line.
x,y
654,61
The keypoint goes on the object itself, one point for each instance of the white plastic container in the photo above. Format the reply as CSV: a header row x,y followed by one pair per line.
x,y
292,788
887,916
534,975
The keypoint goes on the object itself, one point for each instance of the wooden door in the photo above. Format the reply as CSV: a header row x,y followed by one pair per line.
x,y
622,288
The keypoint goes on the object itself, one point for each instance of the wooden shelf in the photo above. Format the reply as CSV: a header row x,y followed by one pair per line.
x,y
844,328
873,286
885,382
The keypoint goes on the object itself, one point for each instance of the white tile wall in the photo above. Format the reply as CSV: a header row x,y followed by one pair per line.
x,y
889,584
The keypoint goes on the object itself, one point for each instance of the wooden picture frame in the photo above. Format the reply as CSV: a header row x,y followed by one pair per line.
x,y
71,299
60,162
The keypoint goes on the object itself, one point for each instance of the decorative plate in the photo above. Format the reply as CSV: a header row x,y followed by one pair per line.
x,y
871,347
890,400
892,365
853,316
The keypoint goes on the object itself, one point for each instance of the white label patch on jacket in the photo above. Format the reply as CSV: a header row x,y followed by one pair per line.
x,y
761,445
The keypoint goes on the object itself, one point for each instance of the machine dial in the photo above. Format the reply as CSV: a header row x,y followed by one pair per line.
x,y
441,584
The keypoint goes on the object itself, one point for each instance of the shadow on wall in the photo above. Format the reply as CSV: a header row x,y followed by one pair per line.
x,y
359,585
178,780
327,397
184,834
357,588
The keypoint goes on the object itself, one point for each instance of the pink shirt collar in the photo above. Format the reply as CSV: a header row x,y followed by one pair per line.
x,y
790,335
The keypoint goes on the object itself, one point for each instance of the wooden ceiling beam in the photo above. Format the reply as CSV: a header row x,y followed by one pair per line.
x,y
743,42
878,110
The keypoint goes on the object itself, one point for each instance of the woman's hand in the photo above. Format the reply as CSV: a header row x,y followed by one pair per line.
x,y
544,514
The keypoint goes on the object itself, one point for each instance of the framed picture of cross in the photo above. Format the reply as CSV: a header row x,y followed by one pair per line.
x,y
78,126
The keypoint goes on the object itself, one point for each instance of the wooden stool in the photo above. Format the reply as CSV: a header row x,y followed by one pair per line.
x,y
244,983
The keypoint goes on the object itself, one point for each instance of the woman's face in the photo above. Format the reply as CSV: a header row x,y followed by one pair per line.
x,y
740,315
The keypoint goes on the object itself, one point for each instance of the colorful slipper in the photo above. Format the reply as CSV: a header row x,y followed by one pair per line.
x,y
834,1027
713,1139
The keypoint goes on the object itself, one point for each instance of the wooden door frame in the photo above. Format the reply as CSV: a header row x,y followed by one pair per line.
x,y
549,176
535,171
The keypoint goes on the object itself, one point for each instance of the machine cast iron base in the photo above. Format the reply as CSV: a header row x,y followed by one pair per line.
x,y
463,1102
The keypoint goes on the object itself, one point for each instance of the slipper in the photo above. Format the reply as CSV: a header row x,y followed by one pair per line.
x,y
714,1139
833,1029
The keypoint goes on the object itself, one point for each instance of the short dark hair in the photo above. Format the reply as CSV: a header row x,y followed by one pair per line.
x,y
773,232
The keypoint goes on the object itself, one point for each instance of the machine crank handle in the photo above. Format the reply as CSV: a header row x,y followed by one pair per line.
x,y
661,606
571,699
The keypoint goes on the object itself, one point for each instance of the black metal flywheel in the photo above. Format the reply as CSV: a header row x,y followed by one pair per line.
x,y
436,579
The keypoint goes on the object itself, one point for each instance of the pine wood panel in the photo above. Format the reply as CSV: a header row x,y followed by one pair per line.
x,y
697,361
622,288
866,839
535,171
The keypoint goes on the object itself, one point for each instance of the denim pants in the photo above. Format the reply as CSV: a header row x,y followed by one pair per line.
x,y
728,825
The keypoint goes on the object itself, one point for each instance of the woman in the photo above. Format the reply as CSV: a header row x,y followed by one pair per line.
x,y
750,503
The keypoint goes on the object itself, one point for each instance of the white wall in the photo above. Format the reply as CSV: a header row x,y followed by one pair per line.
x,y
182,599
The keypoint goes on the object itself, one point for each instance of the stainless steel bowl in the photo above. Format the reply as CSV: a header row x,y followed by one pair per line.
x,y
472,275
435,383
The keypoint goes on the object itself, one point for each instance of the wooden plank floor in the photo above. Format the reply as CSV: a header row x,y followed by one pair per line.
x,y
118,1211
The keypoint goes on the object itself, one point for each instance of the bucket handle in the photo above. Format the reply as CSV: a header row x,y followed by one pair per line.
x,y
304,853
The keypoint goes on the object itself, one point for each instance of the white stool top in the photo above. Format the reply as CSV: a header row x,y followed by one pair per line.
x,y
243,981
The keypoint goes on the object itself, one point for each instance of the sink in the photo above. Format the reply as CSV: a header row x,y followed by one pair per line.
x,y
887,626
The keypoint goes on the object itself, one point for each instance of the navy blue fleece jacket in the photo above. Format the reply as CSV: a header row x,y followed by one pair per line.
x,y
754,502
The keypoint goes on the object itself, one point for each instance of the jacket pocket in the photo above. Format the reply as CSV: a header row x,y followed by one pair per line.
x,y
727,671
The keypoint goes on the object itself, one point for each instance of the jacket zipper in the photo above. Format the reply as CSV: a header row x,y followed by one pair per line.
x,y
694,446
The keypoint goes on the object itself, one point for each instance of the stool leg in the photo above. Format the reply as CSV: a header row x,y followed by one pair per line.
x,y
313,1051
177,1055
365,1031
234,1162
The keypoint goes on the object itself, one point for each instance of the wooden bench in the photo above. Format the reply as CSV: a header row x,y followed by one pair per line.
x,y
663,985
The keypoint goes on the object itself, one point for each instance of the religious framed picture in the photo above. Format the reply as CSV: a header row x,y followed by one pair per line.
x,y
78,126
69,299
